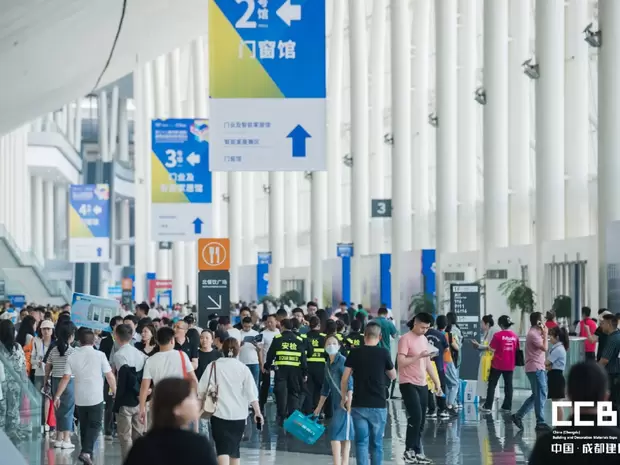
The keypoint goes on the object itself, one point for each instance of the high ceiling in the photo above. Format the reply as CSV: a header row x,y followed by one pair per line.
x,y
53,51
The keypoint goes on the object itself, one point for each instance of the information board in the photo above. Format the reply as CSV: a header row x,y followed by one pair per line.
x,y
465,302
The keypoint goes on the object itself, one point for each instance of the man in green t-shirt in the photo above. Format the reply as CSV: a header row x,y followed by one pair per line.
x,y
388,330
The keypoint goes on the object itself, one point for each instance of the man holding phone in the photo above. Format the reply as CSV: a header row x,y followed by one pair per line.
x,y
414,363
249,353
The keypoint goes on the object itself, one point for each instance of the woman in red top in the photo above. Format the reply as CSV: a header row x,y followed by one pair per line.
x,y
550,317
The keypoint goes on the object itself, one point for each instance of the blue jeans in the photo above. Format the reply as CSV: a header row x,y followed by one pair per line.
x,y
255,370
538,383
452,383
369,424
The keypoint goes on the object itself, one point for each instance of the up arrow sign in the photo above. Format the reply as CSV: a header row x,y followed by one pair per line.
x,y
289,12
298,137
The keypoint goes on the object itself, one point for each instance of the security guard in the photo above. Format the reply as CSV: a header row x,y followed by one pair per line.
x,y
288,357
355,338
315,352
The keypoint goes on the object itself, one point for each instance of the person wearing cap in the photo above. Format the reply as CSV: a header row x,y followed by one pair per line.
x,y
504,345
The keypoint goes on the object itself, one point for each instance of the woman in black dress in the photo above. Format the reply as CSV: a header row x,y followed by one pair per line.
x,y
169,441
147,345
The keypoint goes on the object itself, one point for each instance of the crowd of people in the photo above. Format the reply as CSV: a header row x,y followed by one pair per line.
x,y
156,382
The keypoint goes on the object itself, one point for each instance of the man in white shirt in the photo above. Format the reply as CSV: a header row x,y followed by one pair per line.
x,y
224,323
249,353
266,338
128,424
88,367
167,363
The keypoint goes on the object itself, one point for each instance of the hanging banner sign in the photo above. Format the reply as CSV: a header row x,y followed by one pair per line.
x,y
89,223
262,119
180,180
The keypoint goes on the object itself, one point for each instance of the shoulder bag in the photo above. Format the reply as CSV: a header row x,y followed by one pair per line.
x,y
209,405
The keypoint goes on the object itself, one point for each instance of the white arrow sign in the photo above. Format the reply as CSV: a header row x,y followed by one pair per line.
x,y
289,12
97,210
216,305
193,159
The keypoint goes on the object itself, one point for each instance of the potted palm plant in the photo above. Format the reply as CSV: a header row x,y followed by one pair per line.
x,y
421,303
519,296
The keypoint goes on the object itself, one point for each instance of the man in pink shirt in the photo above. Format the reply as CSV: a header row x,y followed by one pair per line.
x,y
585,324
414,362
535,370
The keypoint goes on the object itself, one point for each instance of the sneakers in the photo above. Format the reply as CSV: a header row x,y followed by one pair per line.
x,y
411,457
431,415
484,409
517,421
444,415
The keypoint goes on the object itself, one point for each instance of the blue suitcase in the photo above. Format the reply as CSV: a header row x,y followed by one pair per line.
x,y
305,428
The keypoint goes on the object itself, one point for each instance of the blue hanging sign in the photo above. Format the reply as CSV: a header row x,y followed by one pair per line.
x,y
344,250
264,258
89,223
181,192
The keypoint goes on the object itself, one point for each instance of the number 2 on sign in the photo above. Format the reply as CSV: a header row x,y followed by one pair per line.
x,y
243,22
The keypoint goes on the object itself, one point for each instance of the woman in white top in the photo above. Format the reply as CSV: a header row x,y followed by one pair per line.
x,y
40,346
236,389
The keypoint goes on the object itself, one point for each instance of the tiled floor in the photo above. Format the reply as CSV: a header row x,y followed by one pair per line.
x,y
470,439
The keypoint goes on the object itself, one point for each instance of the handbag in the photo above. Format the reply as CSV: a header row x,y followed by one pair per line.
x,y
183,365
519,358
485,365
209,405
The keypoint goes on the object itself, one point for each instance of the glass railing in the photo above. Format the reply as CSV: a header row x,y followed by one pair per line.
x,y
21,412
55,288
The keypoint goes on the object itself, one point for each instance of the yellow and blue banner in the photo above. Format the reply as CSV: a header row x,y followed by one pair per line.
x,y
267,81
89,223
180,179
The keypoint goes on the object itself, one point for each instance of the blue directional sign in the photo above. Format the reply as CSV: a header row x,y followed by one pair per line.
x,y
267,85
180,179
344,250
89,223
264,258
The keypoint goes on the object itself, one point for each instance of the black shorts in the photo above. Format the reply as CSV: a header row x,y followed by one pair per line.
x,y
227,435
556,385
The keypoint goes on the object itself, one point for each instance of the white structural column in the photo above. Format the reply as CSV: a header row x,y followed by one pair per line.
x,y
608,135
61,211
276,231
377,131
71,112
401,151
77,122
495,127
446,144
318,233
179,291
113,134
38,225
124,212
249,228
577,120
360,208
142,248
334,121
519,132
291,221
550,206
235,230
49,215
159,92
123,131
420,132
467,125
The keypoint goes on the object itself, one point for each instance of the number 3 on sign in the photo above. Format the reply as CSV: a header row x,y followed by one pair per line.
x,y
243,22
172,158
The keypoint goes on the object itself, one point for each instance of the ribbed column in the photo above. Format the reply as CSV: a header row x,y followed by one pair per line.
x,y
49,215
124,220
376,180
4,174
608,134
358,56
318,233
114,104
446,144
420,133
333,209
550,174
468,119
291,222
179,291
249,228
519,132
401,151
276,230
577,120
104,142
38,223
235,230
159,92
